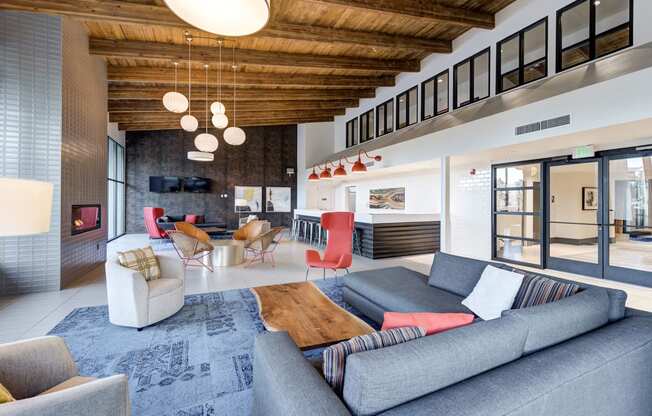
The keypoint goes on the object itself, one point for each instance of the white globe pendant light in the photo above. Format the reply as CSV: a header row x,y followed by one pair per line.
x,y
175,101
206,142
201,156
223,17
189,123
217,108
220,121
234,136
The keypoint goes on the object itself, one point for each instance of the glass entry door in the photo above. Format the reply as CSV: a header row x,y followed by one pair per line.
x,y
574,217
628,256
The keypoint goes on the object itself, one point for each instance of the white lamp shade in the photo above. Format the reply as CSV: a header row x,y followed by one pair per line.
x,y
234,136
223,17
201,156
220,120
26,207
175,102
217,108
206,142
189,123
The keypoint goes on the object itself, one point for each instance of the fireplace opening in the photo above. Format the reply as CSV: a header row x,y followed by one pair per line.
x,y
85,218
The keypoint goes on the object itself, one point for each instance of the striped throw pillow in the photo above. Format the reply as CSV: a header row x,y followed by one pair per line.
x,y
335,355
537,290
142,260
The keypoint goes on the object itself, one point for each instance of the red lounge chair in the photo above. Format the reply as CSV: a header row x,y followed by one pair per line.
x,y
151,215
338,253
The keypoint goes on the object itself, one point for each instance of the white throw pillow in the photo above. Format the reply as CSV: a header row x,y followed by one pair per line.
x,y
494,293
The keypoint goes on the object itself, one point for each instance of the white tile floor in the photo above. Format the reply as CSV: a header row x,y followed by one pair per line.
x,y
32,315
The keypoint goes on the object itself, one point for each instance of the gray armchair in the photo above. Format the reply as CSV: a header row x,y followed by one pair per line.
x,y
31,367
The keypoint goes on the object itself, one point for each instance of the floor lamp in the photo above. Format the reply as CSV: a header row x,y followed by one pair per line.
x,y
26,207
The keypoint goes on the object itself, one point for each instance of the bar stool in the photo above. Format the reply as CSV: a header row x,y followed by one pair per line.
x,y
357,244
294,232
303,232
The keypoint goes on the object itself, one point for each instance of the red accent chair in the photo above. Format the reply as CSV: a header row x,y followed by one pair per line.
x,y
151,215
192,219
339,247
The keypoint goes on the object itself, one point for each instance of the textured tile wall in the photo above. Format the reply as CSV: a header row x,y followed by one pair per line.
x,y
261,161
83,151
30,140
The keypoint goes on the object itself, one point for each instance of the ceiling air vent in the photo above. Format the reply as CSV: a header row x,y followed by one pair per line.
x,y
543,125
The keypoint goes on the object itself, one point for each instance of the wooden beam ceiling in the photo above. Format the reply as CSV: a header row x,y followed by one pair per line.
x,y
156,106
147,125
206,54
129,92
125,12
422,9
159,75
200,114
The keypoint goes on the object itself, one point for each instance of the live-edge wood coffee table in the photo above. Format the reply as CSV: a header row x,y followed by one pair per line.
x,y
310,317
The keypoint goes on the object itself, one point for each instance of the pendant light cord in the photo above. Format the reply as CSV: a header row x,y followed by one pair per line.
x,y
176,67
206,100
235,85
220,75
189,75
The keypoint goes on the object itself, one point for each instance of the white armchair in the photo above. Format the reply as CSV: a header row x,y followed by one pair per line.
x,y
137,303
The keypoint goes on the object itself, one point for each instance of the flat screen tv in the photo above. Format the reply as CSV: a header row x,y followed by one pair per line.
x,y
196,184
162,184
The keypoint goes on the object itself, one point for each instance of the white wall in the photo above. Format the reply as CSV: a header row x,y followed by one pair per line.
x,y
314,140
115,133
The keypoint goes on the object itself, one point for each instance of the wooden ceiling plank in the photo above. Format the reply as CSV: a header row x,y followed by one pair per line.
x,y
241,123
292,31
166,76
156,106
422,9
245,115
156,93
206,54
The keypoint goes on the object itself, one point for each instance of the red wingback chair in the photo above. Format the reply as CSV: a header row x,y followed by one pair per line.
x,y
339,247
151,215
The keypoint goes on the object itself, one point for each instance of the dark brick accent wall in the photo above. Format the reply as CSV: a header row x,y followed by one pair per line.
x,y
260,161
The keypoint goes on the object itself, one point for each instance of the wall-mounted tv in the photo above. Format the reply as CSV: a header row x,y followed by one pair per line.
x,y
162,184
196,184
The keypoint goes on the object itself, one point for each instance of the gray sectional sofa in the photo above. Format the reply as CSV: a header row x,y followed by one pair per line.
x,y
586,354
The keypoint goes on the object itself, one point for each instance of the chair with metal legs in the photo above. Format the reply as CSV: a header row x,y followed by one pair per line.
x,y
338,253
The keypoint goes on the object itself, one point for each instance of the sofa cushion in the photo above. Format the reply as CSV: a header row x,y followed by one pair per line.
x,y
71,382
162,286
381,379
537,290
397,289
142,260
552,323
455,274
494,293
335,356
431,322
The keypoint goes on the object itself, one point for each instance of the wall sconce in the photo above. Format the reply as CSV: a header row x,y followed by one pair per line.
x,y
289,172
340,170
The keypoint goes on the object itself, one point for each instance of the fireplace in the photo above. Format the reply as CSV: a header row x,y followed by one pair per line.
x,y
85,218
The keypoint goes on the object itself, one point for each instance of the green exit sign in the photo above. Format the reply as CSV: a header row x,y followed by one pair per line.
x,y
581,152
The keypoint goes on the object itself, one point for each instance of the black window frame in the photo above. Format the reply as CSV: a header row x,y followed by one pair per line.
x,y
388,127
593,36
407,108
521,57
540,215
435,96
113,178
354,130
370,133
471,61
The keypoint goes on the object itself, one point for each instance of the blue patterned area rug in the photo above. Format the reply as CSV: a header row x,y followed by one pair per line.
x,y
195,363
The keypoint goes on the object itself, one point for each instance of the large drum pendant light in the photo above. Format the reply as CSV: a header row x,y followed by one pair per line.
x,y
175,101
234,136
206,142
189,122
223,17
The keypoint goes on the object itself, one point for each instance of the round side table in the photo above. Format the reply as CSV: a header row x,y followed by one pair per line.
x,y
227,253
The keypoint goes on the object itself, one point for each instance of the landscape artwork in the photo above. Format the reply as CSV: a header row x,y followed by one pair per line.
x,y
387,198
278,199
248,199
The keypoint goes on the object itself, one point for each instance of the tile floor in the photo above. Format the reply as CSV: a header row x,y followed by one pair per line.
x,y
35,314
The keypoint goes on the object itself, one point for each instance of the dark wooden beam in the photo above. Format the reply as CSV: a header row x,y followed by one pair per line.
x,y
166,76
292,31
129,92
156,106
126,12
206,54
260,114
241,123
422,9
